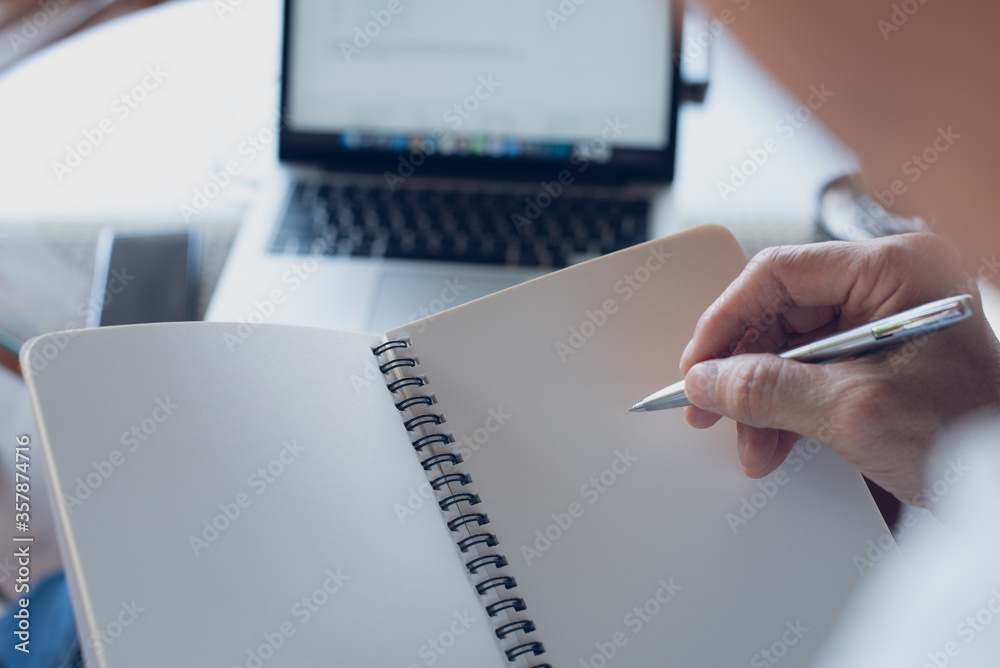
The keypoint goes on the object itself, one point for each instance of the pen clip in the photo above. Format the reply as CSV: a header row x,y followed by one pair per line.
x,y
928,316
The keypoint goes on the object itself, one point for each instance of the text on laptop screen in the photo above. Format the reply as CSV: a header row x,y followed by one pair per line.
x,y
515,79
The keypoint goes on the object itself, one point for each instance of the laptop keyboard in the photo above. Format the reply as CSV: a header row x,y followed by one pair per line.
x,y
457,226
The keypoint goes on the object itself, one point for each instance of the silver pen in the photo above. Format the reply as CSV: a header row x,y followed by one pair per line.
x,y
892,331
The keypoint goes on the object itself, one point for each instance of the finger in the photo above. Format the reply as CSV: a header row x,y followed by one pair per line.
x,y
700,419
769,392
785,442
800,288
773,296
755,448
796,340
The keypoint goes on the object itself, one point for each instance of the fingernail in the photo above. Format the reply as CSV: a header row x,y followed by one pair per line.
x,y
741,443
687,349
700,385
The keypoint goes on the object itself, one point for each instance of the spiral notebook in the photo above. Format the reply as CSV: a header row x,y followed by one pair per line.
x,y
468,490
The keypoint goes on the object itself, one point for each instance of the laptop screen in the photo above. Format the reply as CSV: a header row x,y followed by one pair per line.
x,y
480,87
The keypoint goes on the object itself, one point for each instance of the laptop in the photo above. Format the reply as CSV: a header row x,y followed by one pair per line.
x,y
434,152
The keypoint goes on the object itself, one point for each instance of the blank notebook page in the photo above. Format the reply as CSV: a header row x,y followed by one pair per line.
x,y
619,527
270,452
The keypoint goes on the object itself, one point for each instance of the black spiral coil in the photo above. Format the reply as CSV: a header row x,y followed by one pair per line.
x,y
468,521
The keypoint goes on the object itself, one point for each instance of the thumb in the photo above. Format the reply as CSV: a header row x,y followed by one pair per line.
x,y
763,390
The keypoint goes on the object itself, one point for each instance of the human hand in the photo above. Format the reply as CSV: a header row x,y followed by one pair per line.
x,y
880,411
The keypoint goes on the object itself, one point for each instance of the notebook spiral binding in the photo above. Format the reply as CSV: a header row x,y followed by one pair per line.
x,y
408,395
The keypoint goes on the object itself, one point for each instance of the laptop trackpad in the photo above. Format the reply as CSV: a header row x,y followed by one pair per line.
x,y
403,297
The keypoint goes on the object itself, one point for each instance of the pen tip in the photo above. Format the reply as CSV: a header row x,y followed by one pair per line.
x,y
638,408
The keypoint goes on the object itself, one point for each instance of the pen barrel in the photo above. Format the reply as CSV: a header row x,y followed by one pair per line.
x,y
893,331
837,347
